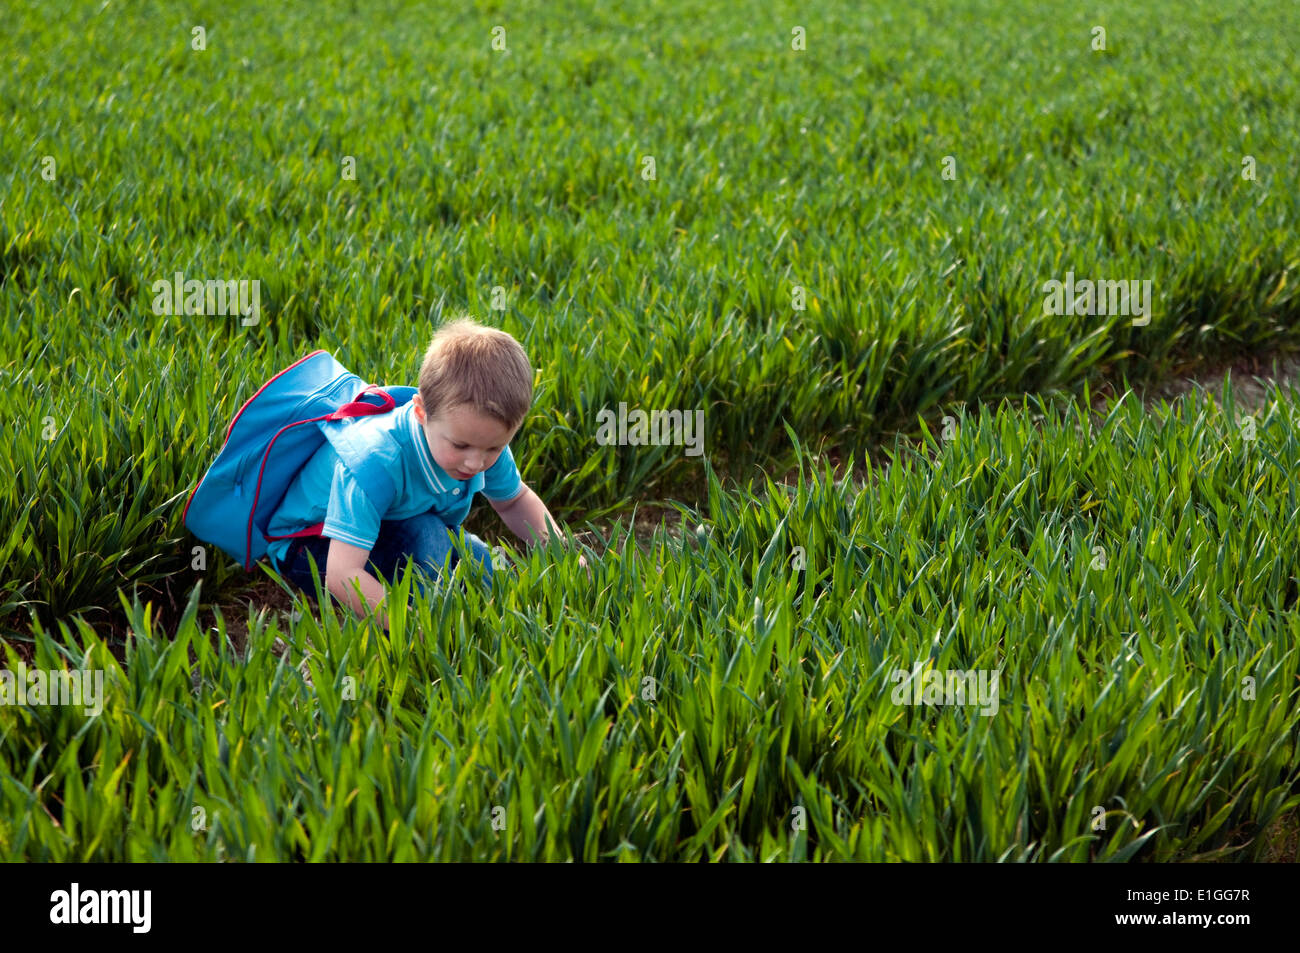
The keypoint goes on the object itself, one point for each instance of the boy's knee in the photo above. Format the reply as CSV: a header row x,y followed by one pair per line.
x,y
478,550
434,545
426,540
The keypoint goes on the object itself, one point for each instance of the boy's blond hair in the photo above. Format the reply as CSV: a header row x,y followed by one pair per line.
x,y
486,369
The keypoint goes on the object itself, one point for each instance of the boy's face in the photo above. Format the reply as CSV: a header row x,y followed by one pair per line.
x,y
462,441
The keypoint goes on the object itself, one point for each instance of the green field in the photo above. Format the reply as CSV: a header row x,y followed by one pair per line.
x,y
840,246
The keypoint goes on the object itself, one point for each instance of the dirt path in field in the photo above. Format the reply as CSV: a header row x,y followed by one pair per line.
x,y
1251,378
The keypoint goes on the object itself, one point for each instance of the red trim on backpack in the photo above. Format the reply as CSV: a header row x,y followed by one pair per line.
x,y
231,428
186,512
309,531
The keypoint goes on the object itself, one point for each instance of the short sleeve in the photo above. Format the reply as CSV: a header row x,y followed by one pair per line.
x,y
501,481
350,517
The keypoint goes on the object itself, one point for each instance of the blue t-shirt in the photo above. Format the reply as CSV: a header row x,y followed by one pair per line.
x,y
324,491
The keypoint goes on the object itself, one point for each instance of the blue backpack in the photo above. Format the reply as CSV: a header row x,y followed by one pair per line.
x,y
272,437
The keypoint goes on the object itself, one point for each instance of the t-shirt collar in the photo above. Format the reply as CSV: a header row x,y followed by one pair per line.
x,y
428,467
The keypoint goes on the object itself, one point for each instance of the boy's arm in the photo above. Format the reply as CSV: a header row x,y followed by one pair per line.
x,y
528,518
346,563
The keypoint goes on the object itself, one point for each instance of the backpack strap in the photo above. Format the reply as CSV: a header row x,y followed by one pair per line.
x,y
362,408
368,469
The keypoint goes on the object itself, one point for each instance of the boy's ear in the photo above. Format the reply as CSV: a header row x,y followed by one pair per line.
x,y
418,404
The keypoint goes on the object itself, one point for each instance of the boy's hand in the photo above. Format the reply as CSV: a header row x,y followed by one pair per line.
x,y
528,518
345,564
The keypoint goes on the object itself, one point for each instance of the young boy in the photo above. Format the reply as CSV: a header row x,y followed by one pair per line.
x,y
451,441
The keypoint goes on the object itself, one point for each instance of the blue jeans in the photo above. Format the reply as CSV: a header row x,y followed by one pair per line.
x,y
425,538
